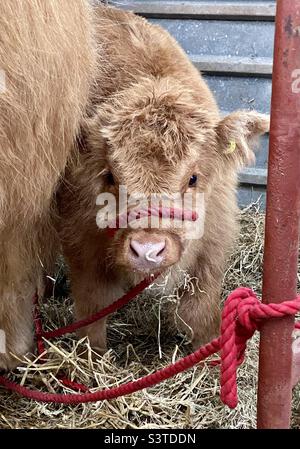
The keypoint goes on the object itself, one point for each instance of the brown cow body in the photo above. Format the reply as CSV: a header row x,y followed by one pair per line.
x,y
47,61
154,128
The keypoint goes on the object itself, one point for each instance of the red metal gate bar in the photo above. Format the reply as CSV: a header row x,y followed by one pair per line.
x,y
282,220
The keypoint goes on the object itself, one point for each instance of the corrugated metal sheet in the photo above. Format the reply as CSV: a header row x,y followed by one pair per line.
x,y
231,43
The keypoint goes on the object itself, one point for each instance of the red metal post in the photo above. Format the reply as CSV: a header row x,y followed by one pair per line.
x,y
282,220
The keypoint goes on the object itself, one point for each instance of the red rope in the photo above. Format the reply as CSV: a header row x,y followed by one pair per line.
x,y
74,385
171,213
111,393
81,323
241,315
121,302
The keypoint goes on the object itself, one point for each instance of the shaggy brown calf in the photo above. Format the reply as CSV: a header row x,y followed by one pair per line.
x,y
47,60
155,128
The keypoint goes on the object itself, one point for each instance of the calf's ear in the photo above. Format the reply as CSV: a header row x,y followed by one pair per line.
x,y
238,134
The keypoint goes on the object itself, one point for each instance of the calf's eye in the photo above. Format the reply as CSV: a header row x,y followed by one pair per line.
x,y
193,181
110,179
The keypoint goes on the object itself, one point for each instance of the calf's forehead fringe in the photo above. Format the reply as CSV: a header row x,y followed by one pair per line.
x,y
160,120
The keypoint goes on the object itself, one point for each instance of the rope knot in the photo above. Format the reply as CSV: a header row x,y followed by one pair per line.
x,y
241,313
238,326
246,317
240,319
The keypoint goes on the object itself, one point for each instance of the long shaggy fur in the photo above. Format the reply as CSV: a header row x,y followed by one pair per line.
x,y
153,125
47,59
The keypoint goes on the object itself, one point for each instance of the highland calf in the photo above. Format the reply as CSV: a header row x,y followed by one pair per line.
x,y
47,62
154,128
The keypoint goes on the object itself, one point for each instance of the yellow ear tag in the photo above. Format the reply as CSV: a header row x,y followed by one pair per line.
x,y
231,147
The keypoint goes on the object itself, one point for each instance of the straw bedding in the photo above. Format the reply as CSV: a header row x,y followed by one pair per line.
x,y
140,345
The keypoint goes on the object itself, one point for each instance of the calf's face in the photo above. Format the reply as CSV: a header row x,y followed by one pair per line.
x,y
155,141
